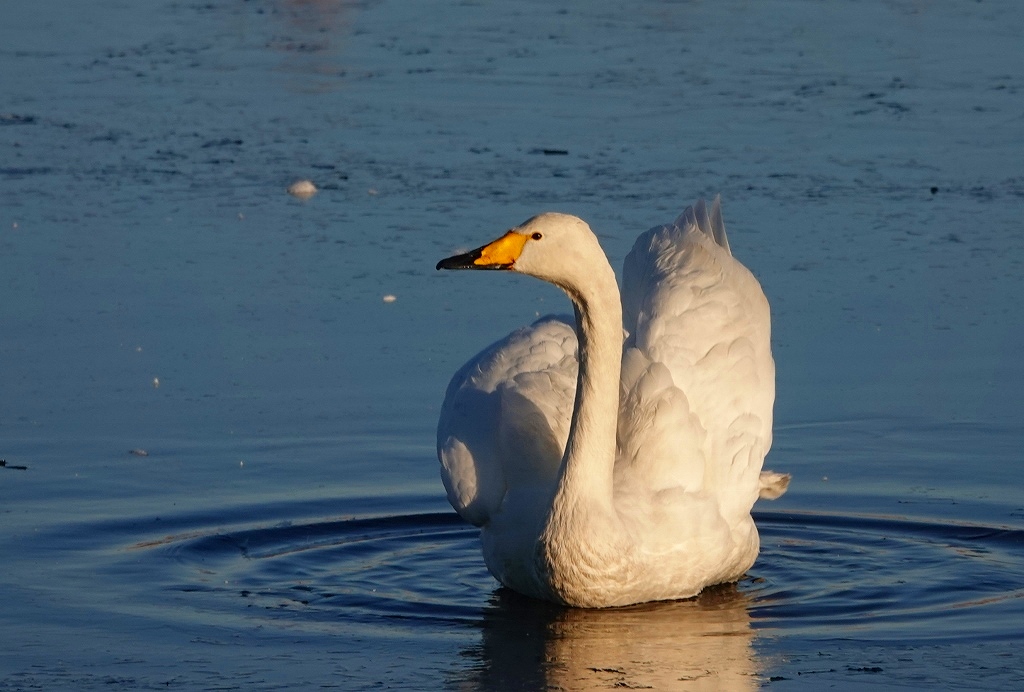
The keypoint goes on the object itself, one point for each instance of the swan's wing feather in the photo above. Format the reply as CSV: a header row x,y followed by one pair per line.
x,y
656,427
707,221
717,224
691,307
505,417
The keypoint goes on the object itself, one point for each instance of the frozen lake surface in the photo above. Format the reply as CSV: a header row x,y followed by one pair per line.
x,y
218,434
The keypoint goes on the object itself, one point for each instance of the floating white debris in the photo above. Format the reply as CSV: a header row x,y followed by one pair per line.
x,y
138,452
389,298
372,191
303,189
156,383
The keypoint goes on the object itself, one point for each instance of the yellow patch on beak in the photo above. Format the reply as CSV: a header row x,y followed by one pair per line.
x,y
503,252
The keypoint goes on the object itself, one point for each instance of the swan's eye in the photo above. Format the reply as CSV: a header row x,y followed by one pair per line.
x,y
536,236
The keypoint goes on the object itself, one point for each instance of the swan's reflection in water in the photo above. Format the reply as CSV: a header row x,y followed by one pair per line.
x,y
703,643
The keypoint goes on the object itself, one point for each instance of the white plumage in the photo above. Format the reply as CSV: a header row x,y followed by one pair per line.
x,y
631,478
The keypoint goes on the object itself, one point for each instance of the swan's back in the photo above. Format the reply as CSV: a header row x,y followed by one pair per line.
x,y
698,360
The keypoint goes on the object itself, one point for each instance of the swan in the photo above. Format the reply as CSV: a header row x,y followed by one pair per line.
x,y
614,459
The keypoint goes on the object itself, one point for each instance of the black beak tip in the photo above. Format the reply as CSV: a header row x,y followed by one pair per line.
x,y
464,261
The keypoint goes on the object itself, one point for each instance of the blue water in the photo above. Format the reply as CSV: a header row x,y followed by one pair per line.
x,y
219,437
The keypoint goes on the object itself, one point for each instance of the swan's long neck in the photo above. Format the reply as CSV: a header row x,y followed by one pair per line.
x,y
588,464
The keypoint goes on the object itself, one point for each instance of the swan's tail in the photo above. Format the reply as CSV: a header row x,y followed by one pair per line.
x,y
773,485
709,221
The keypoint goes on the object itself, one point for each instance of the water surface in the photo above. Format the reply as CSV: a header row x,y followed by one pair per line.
x,y
227,434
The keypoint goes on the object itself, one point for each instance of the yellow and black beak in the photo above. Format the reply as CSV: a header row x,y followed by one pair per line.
x,y
501,254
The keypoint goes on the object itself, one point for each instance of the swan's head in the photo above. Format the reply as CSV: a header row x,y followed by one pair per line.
x,y
554,247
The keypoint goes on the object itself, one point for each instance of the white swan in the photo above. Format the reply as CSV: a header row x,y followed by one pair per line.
x,y
627,475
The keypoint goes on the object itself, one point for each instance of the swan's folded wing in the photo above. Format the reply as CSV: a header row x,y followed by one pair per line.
x,y
505,417
689,305
656,429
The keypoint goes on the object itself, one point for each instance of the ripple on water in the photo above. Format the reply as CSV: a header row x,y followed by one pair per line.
x,y
404,600
839,576
414,570
888,578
